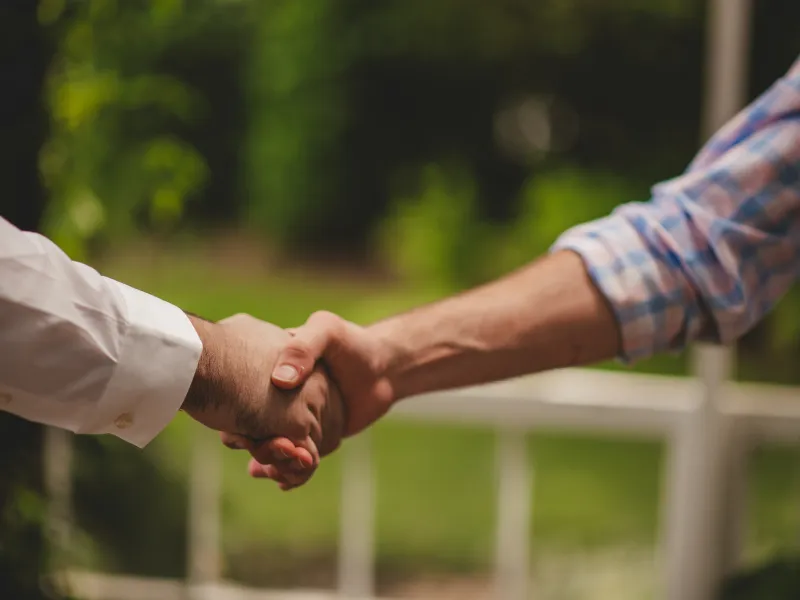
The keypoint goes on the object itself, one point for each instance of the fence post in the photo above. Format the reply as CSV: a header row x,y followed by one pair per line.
x,y
704,465
696,505
356,523
203,548
58,453
514,505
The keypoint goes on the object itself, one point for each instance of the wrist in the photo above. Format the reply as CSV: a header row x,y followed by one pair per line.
x,y
205,384
393,358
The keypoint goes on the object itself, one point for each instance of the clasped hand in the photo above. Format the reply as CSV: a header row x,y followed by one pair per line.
x,y
289,389
288,428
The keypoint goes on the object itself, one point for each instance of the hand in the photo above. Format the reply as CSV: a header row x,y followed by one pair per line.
x,y
233,393
357,360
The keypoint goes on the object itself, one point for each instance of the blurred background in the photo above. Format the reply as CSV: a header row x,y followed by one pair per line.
x,y
281,157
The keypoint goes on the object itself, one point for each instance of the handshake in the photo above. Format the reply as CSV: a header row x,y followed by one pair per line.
x,y
288,397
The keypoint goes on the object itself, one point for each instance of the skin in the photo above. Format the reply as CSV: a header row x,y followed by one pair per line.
x,y
546,315
232,392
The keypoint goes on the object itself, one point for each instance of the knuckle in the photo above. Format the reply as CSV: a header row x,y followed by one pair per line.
x,y
298,348
321,315
326,320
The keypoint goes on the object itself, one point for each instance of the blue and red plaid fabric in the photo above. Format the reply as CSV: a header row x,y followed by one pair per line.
x,y
715,248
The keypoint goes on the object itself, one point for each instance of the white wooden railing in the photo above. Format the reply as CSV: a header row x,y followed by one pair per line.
x,y
709,424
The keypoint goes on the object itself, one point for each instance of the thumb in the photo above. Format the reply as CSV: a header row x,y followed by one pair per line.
x,y
307,345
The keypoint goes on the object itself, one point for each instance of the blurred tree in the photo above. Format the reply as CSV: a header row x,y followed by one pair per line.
x,y
431,237
555,201
297,113
111,157
128,148
346,94
472,133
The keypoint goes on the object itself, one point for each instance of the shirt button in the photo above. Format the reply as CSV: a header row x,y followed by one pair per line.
x,y
5,398
124,421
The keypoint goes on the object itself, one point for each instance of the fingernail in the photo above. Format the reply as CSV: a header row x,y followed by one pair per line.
x,y
285,454
298,465
286,373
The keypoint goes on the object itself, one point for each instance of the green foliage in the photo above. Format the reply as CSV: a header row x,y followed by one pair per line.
x,y
119,154
432,237
476,30
108,160
553,202
306,80
438,237
296,116
785,322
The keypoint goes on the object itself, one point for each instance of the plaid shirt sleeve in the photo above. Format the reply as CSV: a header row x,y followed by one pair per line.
x,y
715,248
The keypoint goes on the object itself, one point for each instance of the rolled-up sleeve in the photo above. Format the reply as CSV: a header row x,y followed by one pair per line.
x,y
714,249
86,353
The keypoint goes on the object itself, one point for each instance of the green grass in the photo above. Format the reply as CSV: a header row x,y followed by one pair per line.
x,y
435,484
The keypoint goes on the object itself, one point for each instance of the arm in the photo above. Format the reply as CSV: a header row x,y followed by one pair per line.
x,y
87,353
715,248
545,316
706,258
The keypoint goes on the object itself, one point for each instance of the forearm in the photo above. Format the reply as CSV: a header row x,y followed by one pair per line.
x,y
544,316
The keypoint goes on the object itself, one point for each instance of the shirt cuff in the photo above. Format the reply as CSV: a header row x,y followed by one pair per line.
x,y
639,286
156,364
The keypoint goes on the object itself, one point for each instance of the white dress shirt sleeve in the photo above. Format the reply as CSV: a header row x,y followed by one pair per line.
x,y
84,352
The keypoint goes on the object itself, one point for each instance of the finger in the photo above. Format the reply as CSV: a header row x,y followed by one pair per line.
x,y
305,455
293,471
296,464
279,450
257,470
295,479
284,476
297,359
287,473
300,470
311,458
